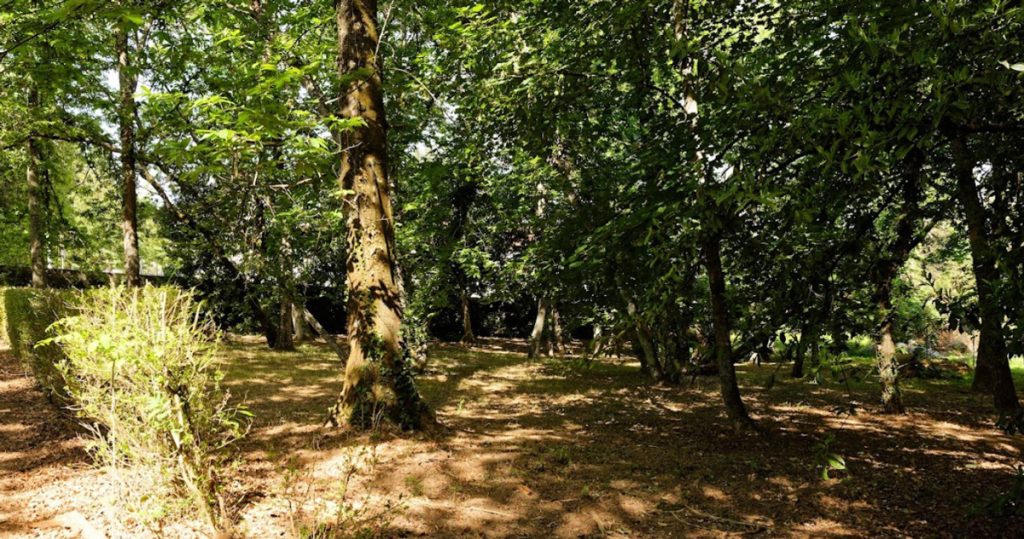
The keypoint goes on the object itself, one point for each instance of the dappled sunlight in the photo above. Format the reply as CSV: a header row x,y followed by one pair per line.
x,y
528,450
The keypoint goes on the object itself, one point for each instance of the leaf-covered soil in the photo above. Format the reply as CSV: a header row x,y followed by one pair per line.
x,y
552,449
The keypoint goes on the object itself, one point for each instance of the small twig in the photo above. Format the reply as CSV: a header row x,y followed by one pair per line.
x,y
499,513
722,520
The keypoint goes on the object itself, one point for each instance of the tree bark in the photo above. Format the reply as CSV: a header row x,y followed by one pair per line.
x,y
888,367
468,337
128,82
377,374
299,326
557,344
36,194
285,339
537,335
734,406
992,372
907,238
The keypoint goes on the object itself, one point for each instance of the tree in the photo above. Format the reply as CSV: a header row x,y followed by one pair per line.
x,y
128,82
378,359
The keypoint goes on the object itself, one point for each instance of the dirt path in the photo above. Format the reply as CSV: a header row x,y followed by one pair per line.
x,y
44,470
543,450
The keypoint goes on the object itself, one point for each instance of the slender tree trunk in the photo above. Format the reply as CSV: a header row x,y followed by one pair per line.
x,y
299,326
814,345
649,353
734,406
596,344
129,204
37,241
801,351
328,338
992,373
557,337
907,238
377,378
537,335
268,325
468,337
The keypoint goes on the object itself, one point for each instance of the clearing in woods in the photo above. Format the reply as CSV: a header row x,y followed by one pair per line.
x,y
543,449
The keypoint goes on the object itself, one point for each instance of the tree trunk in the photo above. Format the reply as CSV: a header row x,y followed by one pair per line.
x,y
649,353
557,343
907,238
888,367
285,339
299,326
537,335
734,406
801,352
596,345
814,344
468,337
129,203
377,374
992,372
37,241
328,338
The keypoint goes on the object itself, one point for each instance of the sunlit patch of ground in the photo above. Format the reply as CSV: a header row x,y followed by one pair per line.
x,y
543,449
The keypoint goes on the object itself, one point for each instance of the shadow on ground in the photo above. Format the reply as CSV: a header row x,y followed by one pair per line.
x,y
552,449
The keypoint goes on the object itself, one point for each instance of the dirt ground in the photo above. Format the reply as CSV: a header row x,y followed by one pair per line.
x,y
550,449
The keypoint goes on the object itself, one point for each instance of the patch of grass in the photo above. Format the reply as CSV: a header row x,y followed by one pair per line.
x,y
414,484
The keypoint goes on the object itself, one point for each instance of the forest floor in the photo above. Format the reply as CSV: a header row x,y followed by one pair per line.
x,y
553,449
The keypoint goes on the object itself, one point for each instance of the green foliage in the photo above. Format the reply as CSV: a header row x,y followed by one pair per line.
x,y
1009,503
826,461
140,372
29,312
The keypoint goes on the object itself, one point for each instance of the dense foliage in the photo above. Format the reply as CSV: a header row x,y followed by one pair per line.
x,y
696,182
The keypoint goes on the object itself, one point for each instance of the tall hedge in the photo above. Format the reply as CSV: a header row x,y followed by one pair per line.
x,y
28,312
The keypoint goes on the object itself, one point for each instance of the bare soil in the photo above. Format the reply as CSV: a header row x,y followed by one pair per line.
x,y
550,449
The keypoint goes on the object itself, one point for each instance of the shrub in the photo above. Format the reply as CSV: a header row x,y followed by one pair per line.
x,y
29,312
140,370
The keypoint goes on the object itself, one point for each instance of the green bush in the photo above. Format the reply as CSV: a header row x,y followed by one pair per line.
x,y
140,370
28,313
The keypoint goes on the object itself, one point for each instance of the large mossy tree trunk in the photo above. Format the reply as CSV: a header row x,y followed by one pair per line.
x,y
378,381
736,410
992,372
128,82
